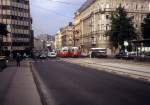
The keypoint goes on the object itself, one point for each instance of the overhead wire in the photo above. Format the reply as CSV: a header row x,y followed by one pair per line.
x,y
63,2
57,13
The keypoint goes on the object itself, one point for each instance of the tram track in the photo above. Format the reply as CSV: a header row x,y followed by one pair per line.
x,y
138,74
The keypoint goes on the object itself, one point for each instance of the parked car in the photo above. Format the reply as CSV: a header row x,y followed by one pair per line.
x,y
132,55
121,55
43,56
3,62
84,55
126,55
52,54
36,55
98,52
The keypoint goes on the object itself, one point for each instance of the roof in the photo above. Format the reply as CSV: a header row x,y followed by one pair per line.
x,y
86,5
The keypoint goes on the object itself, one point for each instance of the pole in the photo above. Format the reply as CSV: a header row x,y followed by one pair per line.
x,y
2,35
74,38
10,46
11,56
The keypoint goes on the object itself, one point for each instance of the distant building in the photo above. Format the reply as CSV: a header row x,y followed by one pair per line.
x,y
95,21
38,44
16,15
48,41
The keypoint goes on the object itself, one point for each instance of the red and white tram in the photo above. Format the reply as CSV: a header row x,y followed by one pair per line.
x,y
64,52
74,52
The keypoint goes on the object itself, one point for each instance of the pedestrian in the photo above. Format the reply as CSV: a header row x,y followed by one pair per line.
x,y
18,59
90,53
24,56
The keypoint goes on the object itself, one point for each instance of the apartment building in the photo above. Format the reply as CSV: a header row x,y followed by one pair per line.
x,y
77,30
95,21
68,35
16,15
58,40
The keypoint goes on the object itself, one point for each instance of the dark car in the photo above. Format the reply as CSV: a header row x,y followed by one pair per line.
x,y
122,55
98,52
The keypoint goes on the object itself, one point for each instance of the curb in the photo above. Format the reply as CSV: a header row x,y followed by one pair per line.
x,y
45,97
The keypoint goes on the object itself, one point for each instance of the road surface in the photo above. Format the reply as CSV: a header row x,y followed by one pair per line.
x,y
71,84
140,70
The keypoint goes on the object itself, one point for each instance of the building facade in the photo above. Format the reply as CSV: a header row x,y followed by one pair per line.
x,y
58,40
77,30
16,15
68,35
95,21
38,44
48,41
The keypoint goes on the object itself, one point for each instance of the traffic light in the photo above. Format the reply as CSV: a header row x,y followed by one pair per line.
x,y
3,29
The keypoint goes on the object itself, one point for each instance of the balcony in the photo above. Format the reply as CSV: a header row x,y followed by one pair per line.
x,y
93,43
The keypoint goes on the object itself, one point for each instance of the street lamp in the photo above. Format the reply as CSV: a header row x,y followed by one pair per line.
x,y
126,44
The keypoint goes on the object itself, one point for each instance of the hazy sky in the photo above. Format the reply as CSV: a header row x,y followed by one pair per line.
x,y
49,15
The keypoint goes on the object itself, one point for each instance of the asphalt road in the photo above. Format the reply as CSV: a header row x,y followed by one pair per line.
x,y
71,84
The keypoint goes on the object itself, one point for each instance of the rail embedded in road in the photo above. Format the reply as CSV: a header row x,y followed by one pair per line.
x,y
123,69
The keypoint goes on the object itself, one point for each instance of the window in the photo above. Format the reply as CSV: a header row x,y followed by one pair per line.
x,y
107,5
136,7
142,7
107,16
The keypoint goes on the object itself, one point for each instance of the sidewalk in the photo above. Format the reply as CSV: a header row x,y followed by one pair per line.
x,y
17,86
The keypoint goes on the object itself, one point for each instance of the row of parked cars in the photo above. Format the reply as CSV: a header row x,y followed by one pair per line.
x,y
44,55
93,53
132,55
74,53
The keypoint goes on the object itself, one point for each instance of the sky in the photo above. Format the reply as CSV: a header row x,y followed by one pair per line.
x,y
50,15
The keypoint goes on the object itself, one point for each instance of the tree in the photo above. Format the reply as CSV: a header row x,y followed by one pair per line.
x,y
145,27
122,28
3,29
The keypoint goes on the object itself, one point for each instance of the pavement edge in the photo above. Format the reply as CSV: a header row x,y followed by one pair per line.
x,y
45,99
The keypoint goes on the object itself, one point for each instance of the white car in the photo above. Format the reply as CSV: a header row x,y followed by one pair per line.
x,y
52,54
43,56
